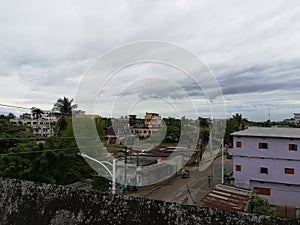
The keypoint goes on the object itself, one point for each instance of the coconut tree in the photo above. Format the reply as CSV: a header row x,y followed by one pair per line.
x,y
37,113
63,108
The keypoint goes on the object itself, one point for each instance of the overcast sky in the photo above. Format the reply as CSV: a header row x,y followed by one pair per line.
x,y
252,47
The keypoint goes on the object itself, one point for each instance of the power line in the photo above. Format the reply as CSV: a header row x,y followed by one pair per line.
x,y
47,150
70,137
14,106
22,107
43,138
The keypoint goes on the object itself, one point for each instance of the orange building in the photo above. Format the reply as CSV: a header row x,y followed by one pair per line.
x,y
152,120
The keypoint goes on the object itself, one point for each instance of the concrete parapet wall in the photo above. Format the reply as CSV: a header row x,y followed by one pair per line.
x,y
25,202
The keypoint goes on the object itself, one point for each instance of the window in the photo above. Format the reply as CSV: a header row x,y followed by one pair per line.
x,y
238,144
262,191
238,168
264,170
289,170
292,147
263,145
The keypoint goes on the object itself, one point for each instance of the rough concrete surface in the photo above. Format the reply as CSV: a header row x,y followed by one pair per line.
x,y
25,202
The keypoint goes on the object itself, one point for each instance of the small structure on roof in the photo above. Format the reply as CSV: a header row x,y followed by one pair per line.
x,y
227,197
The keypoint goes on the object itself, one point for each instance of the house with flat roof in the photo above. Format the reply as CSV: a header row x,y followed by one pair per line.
x,y
297,117
267,160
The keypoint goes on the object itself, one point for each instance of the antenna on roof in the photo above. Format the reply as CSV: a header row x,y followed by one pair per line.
x,y
269,114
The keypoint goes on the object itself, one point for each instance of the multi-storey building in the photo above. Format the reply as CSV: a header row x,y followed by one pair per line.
x,y
43,126
152,120
267,160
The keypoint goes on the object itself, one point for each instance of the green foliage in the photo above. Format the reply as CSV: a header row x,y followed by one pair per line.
x,y
19,166
113,146
37,113
101,184
64,166
235,123
56,161
260,206
203,122
64,108
9,132
100,125
11,116
173,130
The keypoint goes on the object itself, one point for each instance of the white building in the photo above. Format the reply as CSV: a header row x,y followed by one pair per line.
x,y
297,117
43,126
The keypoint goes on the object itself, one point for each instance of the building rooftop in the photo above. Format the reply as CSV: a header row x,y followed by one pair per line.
x,y
278,132
227,197
150,113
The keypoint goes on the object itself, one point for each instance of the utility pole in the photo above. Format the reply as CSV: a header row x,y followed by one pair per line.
x,y
125,172
190,194
222,146
211,148
114,177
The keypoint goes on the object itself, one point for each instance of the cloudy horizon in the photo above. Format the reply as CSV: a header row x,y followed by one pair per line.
x,y
253,49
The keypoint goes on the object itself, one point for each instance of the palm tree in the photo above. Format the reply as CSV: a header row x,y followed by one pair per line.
x,y
37,113
63,108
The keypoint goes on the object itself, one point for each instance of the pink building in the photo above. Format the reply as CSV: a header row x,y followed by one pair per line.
x,y
267,160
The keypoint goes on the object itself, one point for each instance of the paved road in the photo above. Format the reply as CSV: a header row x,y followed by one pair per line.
x,y
176,190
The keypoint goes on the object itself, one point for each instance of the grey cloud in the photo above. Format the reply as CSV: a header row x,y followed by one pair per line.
x,y
253,47
262,79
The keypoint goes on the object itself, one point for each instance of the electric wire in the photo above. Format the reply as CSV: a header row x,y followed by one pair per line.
x,y
46,150
26,108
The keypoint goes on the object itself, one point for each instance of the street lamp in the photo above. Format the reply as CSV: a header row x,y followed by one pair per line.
x,y
102,163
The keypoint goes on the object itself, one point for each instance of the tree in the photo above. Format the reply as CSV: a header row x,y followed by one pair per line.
x,y
260,206
55,162
235,123
63,108
37,113
12,134
173,130
11,116
65,166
